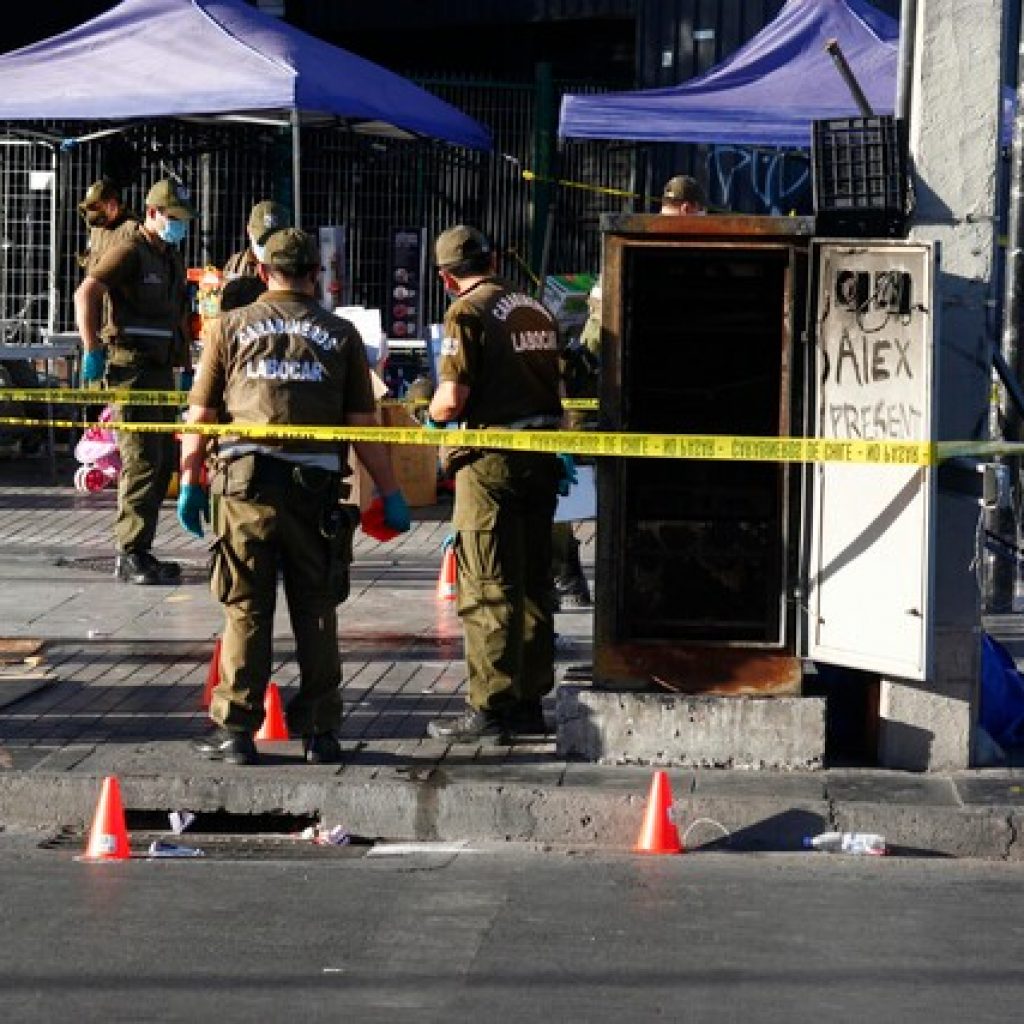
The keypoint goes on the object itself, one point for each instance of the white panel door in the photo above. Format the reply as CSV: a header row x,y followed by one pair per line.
x,y
869,558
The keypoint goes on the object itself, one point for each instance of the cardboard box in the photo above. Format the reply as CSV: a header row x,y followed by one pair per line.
x,y
414,465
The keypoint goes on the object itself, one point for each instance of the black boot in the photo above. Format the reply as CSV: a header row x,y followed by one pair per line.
x,y
473,726
527,719
137,567
169,572
141,567
321,748
573,592
227,745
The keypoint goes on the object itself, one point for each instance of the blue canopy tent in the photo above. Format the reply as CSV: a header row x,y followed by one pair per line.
x,y
217,59
766,93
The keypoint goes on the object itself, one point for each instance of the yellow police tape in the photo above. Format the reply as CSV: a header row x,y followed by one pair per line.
x,y
715,448
97,396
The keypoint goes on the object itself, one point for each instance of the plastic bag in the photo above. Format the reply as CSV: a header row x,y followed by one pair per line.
x,y
1002,695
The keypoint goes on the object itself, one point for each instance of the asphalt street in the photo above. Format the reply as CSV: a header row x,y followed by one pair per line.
x,y
508,933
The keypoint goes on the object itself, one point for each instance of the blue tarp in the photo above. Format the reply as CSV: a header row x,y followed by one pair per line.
x,y
177,58
766,93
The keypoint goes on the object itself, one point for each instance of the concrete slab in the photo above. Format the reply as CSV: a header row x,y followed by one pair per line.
x,y
982,789
891,788
802,787
628,727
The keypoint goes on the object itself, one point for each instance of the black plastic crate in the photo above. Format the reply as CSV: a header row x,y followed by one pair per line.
x,y
860,175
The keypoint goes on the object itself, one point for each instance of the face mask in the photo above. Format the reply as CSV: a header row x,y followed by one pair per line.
x,y
96,218
173,231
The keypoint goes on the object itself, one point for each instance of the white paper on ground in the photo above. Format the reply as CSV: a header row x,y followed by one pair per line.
x,y
405,849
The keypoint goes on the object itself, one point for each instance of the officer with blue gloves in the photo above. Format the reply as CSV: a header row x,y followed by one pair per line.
x,y
283,360
131,311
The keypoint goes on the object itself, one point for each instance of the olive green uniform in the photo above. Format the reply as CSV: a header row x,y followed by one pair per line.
x,y
242,283
101,240
122,229
503,346
143,330
281,360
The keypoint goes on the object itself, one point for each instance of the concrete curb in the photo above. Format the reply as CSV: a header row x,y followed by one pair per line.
x,y
440,806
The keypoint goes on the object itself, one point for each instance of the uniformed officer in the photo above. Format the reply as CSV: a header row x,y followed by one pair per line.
x,y
499,370
107,218
683,196
137,348
281,360
582,360
242,283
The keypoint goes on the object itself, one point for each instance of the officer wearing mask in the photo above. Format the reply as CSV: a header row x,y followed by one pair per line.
x,y
107,219
136,348
242,283
499,370
281,360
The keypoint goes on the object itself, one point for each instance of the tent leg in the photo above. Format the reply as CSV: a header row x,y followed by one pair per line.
x,y
296,169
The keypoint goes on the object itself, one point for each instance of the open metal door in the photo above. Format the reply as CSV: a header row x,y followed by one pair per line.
x,y
869,531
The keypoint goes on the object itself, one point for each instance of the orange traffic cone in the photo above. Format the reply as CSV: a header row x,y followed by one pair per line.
x,y
447,588
212,675
274,726
108,837
659,833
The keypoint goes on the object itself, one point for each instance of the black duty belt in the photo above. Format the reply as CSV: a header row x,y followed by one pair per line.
x,y
270,471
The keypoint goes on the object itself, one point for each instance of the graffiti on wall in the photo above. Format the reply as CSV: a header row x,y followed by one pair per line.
x,y
746,179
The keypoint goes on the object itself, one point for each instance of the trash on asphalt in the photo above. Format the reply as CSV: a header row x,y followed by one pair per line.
x,y
180,821
407,849
321,836
847,842
159,848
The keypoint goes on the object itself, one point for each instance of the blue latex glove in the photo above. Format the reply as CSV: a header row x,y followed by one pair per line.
x,y
569,475
396,512
94,365
187,377
193,508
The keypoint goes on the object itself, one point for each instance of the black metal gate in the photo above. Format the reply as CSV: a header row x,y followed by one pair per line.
x,y
368,184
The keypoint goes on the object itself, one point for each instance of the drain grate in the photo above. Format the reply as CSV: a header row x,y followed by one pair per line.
x,y
190,572
224,836
222,847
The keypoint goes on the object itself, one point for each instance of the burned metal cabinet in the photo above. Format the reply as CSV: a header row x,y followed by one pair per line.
x,y
696,560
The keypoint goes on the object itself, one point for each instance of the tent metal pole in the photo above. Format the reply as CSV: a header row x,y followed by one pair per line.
x,y
835,51
905,61
999,516
296,167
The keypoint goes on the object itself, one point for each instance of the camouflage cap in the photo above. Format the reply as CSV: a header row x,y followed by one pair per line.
x,y
291,251
99,192
172,198
458,244
684,189
267,216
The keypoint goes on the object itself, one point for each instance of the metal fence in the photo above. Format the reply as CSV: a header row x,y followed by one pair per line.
x,y
369,184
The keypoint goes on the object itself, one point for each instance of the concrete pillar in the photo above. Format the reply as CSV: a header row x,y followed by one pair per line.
x,y
954,147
